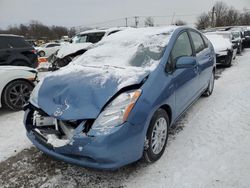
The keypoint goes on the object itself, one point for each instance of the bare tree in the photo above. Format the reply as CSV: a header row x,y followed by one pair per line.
x,y
180,22
149,22
203,21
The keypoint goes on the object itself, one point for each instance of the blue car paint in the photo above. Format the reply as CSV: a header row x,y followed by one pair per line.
x,y
64,95
175,91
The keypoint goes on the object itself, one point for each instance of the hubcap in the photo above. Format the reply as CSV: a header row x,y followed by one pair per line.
x,y
19,95
159,135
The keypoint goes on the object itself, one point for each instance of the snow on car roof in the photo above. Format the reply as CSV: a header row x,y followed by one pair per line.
x,y
136,47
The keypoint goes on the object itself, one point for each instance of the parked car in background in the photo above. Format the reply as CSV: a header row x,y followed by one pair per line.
x,y
247,37
16,84
14,50
224,48
47,49
116,102
80,44
237,40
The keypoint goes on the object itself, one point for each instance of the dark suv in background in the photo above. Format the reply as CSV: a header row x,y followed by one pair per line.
x,y
14,50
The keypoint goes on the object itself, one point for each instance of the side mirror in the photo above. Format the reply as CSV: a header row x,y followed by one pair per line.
x,y
185,62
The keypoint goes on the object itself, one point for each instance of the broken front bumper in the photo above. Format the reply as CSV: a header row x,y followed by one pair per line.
x,y
122,146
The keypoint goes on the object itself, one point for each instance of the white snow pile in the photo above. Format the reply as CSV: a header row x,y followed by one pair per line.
x,y
68,49
219,42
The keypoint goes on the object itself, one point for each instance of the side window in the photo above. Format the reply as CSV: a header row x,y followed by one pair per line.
x,y
206,41
182,47
18,42
112,32
3,43
198,42
52,45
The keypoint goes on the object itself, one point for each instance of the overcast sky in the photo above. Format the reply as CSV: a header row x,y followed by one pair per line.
x,y
94,12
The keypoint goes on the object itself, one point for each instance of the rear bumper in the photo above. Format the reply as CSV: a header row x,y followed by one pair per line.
x,y
123,146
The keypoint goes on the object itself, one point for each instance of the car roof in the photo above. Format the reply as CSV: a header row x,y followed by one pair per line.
x,y
10,35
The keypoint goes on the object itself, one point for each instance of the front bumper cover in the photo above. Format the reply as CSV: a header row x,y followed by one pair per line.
x,y
122,146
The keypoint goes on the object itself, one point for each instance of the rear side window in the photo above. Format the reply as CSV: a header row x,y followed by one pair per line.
x,y
198,42
4,43
17,42
182,47
52,45
95,37
112,32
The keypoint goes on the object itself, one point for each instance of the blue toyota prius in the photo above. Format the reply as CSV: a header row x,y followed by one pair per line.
x,y
115,103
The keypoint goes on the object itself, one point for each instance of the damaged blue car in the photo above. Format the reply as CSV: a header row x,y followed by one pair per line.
x,y
115,104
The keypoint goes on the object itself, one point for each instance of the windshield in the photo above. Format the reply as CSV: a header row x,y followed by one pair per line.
x,y
247,33
236,35
133,47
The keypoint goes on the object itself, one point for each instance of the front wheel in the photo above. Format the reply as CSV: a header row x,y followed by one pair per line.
x,y
16,94
157,136
210,87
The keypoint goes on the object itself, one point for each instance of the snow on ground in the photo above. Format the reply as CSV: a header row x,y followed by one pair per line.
x,y
213,150
210,149
12,135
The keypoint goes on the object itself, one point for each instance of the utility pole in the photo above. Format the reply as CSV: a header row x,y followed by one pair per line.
x,y
136,21
213,17
126,22
172,21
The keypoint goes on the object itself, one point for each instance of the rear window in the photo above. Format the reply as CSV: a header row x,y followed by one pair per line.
x,y
17,42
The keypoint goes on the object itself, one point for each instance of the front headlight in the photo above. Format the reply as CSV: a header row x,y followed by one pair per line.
x,y
34,95
116,113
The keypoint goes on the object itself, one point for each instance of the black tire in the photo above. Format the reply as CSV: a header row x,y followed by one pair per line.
x,y
16,94
149,154
20,63
41,53
228,60
210,87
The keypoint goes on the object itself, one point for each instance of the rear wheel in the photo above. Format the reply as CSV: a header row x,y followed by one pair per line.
x,y
228,60
210,87
16,94
157,136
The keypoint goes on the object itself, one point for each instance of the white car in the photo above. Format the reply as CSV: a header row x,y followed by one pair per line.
x,y
16,84
47,49
224,48
80,43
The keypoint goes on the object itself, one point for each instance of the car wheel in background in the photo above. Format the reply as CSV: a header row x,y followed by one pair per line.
x,y
16,94
228,60
210,87
41,53
157,136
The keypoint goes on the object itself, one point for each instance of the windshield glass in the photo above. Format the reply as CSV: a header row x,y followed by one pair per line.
x,y
236,35
132,47
79,39
247,33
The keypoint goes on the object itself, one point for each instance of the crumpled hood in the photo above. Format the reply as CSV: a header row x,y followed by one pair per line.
x,y
81,92
72,48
